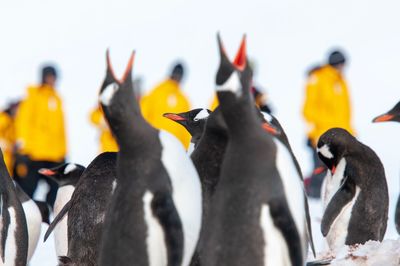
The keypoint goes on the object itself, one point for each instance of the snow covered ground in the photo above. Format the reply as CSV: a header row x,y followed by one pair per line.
x,y
284,37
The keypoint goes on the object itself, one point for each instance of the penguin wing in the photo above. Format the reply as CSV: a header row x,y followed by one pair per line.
x,y
5,221
56,220
280,213
163,208
309,230
343,196
397,215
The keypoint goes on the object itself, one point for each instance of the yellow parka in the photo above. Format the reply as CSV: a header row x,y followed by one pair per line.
x,y
107,141
7,139
39,125
327,102
166,98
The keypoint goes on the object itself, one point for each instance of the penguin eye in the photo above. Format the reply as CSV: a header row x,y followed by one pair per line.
x,y
108,93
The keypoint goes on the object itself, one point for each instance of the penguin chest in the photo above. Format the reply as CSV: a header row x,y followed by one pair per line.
x,y
275,248
155,242
64,194
186,190
337,234
34,223
333,182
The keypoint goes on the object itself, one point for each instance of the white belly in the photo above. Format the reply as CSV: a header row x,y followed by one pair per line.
x,y
10,250
34,222
337,234
64,194
294,191
275,248
155,241
186,190
331,183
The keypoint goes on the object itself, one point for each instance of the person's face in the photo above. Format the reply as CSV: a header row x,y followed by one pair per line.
x,y
50,80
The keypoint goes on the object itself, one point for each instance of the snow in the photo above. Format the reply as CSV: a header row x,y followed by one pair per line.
x,y
285,37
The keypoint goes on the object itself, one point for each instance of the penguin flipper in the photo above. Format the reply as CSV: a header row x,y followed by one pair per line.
x,y
319,262
309,230
163,208
397,215
5,218
57,219
279,211
343,196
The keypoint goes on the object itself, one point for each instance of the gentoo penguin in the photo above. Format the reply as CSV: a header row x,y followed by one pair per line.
x,y
193,121
86,210
257,213
13,232
392,115
66,176
358,210
272,126
155,213
33,216
207,158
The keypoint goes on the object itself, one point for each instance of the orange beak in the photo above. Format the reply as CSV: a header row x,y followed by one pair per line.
x,y
240,59
383,118
174,117
46,172
268,128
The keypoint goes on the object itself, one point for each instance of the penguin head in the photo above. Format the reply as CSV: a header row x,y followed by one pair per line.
x,y
216,123
116,95
391,115
193,120
234,78
333,145
270,124
65,174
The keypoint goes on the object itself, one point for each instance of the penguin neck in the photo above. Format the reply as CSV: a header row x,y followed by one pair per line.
x,y
240,117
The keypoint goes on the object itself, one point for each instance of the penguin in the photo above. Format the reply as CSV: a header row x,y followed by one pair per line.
x,y
272,125
66,176
34,218
193,121
155,214
207,158
392,115
358,209
14,231
257,213
86,210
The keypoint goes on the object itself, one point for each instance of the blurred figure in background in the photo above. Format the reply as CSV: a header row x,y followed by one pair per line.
x,y
167,97
260,97
7,134
106,139
40,134
327,105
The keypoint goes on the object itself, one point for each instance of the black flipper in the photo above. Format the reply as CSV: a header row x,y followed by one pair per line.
x,y
309,230
5,216
279,211
343,196
56,220
319,262
164,209
397,215
44,211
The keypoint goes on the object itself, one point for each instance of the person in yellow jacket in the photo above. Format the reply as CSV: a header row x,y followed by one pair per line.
x,y
7,134
167,97
40,134
327,105
107,141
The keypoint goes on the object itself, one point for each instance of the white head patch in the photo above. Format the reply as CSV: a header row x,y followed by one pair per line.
x,y
108,93
267,117
69,168
232,84
324,150
201,115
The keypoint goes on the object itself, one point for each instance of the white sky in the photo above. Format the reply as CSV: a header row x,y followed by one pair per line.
x,y
284,37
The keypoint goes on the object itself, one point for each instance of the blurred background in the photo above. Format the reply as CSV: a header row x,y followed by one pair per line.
x,y
285,38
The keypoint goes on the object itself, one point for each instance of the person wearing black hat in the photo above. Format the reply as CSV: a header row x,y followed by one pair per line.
x,y
327,104
40,134
167,97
